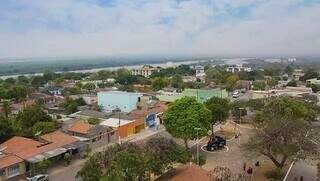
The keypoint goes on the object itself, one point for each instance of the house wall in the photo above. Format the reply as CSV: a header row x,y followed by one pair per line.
x,y
126,130
22,170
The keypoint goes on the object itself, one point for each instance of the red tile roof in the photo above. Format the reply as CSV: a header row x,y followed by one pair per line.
x,y
25,148
8,160
190,172
80,127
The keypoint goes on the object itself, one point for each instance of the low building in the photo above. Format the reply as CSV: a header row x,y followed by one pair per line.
x,y
238,68
124,127
315,81
89,99
297,73
151,117
87,114
145,70
56,91
200,71
201,95
111,100
92,134
146,101
287,91
19,155
42,98
187,79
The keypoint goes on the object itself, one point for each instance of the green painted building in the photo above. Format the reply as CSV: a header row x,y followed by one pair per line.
x,y
201,95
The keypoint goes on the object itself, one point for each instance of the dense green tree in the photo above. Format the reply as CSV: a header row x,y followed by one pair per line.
x,y
214,74
315,88
18,92
43,127
219,109
92,170
132,162
289,70
259,85
10,81
176,82
38,81
283,131
238,108
183,116
6,107
29,116
164,153
6,130
159,83
71,106
310,74
292,83
231,82
23,79
89,86
93,121
49,75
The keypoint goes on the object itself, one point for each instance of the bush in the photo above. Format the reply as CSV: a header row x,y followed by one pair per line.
x,y
276,174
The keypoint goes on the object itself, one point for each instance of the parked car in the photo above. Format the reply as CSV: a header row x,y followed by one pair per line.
x,y
235,94
40,177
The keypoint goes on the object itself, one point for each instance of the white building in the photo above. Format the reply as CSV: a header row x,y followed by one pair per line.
x,y
238,68
297,73
199,71
145,71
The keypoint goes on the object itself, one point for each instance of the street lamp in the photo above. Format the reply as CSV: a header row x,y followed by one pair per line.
x,y
197,129
240,109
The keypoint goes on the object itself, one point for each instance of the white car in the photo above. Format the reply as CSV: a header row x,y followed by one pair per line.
x,y
40,177
235,94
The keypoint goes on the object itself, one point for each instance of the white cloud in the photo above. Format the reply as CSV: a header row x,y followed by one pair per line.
x,y
85,28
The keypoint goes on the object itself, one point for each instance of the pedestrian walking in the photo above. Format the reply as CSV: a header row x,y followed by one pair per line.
x,y
257,164
250,170
244,166
301,178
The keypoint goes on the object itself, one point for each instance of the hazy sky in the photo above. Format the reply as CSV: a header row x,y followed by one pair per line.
x,y
193,27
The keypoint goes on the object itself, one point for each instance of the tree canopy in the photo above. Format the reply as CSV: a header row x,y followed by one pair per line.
x,y
184,115
219,109
283,131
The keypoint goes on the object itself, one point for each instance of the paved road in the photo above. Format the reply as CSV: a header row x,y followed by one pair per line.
x,y
302,168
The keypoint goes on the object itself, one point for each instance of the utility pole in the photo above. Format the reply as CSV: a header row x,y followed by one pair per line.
x,y
240,109
197,129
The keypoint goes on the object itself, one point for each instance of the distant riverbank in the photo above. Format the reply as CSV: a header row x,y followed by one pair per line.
x,y
228,61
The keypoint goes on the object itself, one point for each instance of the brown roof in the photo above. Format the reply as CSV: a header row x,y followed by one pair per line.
x,y
17,144
80,127
26,148
158,108
58,138
8,160
190,172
